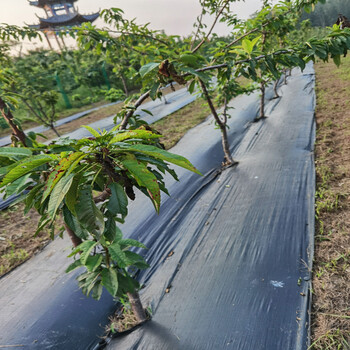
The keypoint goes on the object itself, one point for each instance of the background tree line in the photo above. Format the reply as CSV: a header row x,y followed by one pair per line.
x,y
326,14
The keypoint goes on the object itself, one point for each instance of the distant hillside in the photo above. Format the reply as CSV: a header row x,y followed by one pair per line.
x,y
327,14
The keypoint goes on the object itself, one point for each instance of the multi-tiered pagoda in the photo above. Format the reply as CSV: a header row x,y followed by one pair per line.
x,y
60,14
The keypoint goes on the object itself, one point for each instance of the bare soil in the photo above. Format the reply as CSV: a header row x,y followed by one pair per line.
x,y
331,270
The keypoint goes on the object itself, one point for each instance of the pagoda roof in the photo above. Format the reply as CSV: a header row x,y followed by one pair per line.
x,y
66,20
42,3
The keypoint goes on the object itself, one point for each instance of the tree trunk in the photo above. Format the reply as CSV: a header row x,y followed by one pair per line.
x,y
136,306
222,125
6,113
285,76
54,130
126,91
262,101
275,86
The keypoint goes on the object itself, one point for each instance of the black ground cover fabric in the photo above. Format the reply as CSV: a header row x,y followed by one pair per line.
x,y
233,248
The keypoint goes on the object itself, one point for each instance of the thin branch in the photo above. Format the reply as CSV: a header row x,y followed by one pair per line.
x,y
223,65
211,28
198,28
125,120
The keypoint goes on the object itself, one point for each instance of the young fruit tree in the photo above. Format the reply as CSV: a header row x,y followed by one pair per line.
x,y
89,183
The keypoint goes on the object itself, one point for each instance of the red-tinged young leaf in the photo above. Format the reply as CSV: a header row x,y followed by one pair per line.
x,y
60,170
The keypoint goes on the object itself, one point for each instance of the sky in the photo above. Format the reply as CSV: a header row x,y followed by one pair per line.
x,y
173,16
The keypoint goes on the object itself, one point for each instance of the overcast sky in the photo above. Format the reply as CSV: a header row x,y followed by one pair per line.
x,y
174,16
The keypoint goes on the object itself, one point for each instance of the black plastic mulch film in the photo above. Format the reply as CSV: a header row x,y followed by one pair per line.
x,y
233,249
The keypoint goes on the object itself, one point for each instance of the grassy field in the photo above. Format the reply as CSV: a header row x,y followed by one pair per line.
x,y
331,270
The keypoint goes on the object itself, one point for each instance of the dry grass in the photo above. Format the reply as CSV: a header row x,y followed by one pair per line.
x,y
331,281
177,124
17,243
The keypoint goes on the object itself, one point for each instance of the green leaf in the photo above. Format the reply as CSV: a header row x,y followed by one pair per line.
x,y
60,170
110,280
126,284
44,221
72,194
118,201
86,248
93,262
192,86
74,265
26,166
118,255
131,243
74,224
89,216
58,194
147,68
144,178
154,90
337,60
15,186
31,197
132,134
91,130
136,260
247,46
189,59
97,291
164,155
11,152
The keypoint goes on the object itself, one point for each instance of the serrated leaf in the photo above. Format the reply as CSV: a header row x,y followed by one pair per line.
x,y
144,178
118,201
131,243
73,266
72,194
60,170
147,68
164,155
31,197
93,262
132,134
97,290
118,255
136,260
74,224
89,216
58,194
24,167
11,152
91,130
15,186
86,248
110,280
